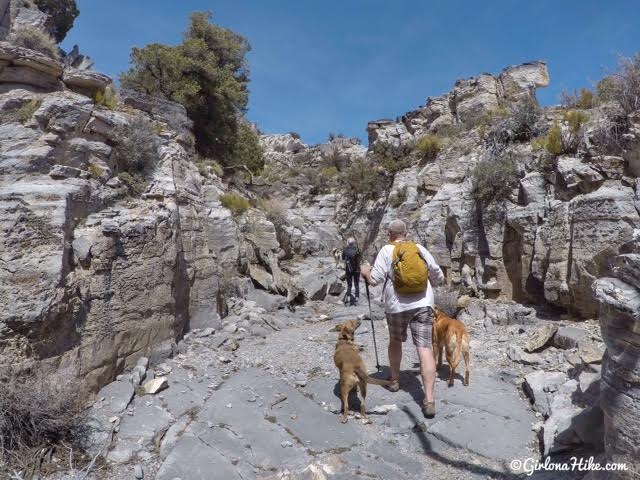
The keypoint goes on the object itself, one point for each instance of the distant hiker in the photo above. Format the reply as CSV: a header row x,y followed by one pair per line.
x,y
406,268
351,256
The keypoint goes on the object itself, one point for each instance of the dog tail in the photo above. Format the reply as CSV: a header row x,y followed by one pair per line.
x,y
362,375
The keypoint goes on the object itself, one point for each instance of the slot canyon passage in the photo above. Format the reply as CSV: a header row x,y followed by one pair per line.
x,y
189,300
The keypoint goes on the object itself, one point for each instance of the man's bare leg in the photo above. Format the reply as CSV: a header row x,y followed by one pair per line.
x,y
395,357
427,370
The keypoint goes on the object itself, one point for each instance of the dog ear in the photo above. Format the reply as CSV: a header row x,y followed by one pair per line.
x,y
337,328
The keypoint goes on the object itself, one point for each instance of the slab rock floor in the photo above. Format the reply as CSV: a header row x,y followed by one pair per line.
x,y
268,408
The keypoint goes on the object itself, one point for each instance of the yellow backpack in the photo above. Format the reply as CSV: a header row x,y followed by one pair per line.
x,y
410,272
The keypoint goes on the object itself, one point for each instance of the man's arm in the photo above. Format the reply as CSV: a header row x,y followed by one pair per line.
x,y
436,277
377,274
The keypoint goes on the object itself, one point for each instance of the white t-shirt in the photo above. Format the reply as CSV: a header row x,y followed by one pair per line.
x,y
394,303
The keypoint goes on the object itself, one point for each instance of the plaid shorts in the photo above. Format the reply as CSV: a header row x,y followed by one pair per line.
x,y
420,320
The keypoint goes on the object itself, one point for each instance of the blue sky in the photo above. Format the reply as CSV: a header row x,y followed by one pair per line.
x,y
332,66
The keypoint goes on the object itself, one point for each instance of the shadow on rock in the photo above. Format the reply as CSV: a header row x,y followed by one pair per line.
x,y
461,464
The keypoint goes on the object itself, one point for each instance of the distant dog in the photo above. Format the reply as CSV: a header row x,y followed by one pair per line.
x,y
450,334
337,256
352,369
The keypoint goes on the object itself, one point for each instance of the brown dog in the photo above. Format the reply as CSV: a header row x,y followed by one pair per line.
x,y
450,334
352,370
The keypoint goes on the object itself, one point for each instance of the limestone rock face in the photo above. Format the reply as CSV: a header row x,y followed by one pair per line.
x,y
29,69
91,280
471,98
619,300
15,14
390,138
173,114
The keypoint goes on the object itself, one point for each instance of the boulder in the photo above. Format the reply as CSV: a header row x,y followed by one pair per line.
x,y
519,81
62,171
577,176
570,337
540,337
156,385
86,82
261,277
540,386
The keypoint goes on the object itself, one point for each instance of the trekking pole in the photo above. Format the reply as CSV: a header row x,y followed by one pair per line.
x,y
373,329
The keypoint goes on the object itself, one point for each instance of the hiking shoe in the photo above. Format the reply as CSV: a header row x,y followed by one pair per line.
x,y
394,386
429,409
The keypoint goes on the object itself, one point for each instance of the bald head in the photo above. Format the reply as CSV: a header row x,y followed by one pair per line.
x,y
397,229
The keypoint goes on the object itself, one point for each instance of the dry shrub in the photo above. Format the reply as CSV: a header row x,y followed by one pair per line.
x,y
275,210
494,177
137,145
446,299
36,411
626,81
35,39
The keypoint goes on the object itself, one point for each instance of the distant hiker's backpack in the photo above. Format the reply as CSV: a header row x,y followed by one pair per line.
x,y
410,272
351,258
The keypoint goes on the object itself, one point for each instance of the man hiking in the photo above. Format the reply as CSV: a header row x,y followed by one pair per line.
x,y
351,257
406,268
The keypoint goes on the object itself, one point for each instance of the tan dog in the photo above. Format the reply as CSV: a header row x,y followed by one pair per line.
x,y
352,370
337,256
450,334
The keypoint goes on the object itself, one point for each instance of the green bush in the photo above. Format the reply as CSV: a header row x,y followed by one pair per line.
x,y
206,166
362,182
558,142
494,178
26,111
583,100
35,39
22,114
553,140
135,182
106,98
208,74
246,150
576,121
94,170
235,203
62,14
429,146
398,198
321,180
606,89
